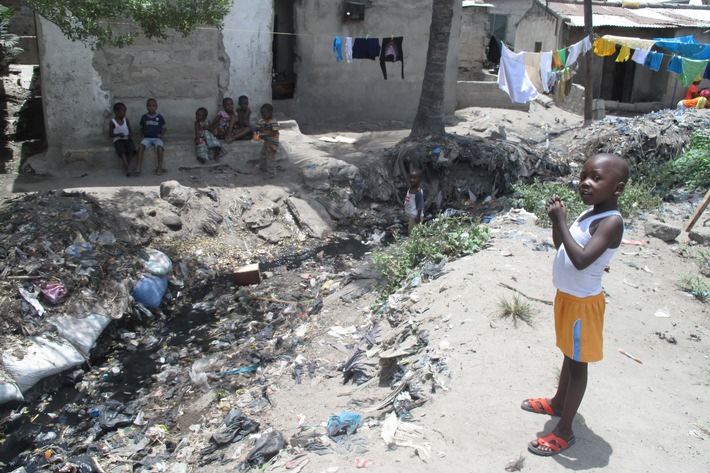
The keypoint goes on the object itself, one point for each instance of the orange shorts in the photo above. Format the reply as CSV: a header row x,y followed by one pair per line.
x,y
579,323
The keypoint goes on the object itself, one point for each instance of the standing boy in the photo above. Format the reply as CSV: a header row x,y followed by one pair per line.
x,y
153,128
414,200
583,251
269,132
120,130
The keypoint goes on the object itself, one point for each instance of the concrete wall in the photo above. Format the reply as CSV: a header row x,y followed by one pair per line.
x,y
80,86
328,91
538,25
484,94
473,42
515,10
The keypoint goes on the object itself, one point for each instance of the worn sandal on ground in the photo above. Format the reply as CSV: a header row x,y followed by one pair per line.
x,y
539,405
555,443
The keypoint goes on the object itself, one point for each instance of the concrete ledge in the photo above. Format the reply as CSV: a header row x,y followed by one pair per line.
x,y
484,94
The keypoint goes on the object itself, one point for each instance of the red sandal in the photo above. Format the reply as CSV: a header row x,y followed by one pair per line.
x,y
555,443
539,405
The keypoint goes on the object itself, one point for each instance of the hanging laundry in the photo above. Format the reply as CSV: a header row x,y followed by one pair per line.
x,y
633,43
577,49
548,77
366,48
691,70
639,56
603,47
556,60
624,54
685,46
653,61
676,65
706,74
532,63
512,77
493,54
338,48
563,55
349,49
391,52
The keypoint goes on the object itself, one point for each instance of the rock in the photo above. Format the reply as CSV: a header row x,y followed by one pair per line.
x,y
496,132
258,217
275,233
661,230
311,216
173,222
316,177
700,235
174,193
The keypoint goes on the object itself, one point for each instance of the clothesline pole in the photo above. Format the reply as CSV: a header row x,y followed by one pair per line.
x,y
588,86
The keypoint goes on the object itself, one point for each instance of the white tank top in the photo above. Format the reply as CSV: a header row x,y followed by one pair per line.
x,y
118,129
586,282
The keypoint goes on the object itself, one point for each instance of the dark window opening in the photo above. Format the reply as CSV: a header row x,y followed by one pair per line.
x,y
283,80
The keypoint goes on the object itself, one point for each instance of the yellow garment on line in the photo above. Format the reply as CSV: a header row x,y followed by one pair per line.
x,y
623,54
603,47
556,60
633,43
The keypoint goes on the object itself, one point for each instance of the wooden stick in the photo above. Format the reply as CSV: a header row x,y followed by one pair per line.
x,y
698,212
525,295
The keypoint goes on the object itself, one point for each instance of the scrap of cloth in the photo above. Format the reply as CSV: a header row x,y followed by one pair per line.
x,y
548,77
603,47
533,63
639,56
676,65
691,70
577,49
366,48
624,54
513,78
349,49
633,43
338,48
653,60
391,52
685,46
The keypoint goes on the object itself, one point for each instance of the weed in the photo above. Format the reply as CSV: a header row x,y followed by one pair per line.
x,y
443,238
533,197
692,168
220,394
518,310
703,260
697,285
8,41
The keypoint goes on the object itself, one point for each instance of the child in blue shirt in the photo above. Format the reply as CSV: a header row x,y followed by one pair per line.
x,y
152,130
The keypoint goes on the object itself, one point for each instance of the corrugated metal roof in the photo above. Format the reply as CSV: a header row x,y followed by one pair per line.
x,y
609,15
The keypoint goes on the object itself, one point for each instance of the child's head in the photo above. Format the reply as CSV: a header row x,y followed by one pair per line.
x,y
267,111
415,177
151,105
243,102
228,104
119,109
603,178
201,114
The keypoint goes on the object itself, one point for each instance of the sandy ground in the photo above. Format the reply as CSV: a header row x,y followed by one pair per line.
x,y
635,417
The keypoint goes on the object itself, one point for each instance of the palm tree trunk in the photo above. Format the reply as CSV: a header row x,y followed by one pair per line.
x,y
430,113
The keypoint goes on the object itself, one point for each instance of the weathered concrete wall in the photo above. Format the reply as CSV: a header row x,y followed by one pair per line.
x,y
473,41
515,10
330,91
538,25
484,94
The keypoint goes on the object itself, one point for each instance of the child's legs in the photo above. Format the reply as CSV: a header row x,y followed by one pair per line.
x,y
243,133
141,152
159,152
573,384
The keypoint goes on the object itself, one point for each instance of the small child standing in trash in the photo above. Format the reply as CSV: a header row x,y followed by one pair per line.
x,y
583,251
153,128
269,133
204,139
120,130
414,200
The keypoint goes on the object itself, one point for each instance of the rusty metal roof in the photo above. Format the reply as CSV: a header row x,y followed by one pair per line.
x,y
615,15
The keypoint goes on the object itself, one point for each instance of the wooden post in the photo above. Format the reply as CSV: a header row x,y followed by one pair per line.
x,y
698,212
588,86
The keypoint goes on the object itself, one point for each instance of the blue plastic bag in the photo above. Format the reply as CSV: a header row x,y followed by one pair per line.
x,y
150,290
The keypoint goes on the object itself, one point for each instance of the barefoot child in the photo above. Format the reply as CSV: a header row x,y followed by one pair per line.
x,y
583,251
242,125
153,128
269,133
414,200
120,130
204,139
223,125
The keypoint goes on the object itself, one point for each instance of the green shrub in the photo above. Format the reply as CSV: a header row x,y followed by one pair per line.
x,y
697,285
692,168
533,197
518,310
8,41
447,238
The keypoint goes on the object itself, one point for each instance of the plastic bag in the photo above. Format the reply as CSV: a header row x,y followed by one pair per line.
x,y
236,426
82,333
266,447
53,291
41,358
116,414
158,263
346,422
150,290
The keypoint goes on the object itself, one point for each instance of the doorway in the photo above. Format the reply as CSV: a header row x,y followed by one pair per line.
x,y
283,80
